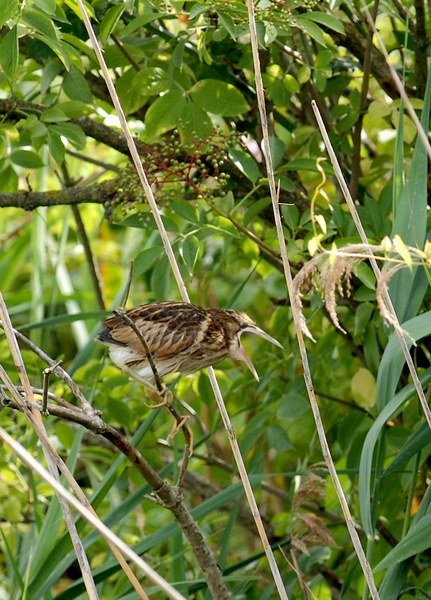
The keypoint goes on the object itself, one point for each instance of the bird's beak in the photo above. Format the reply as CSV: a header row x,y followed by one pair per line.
x,y
262,334
241,354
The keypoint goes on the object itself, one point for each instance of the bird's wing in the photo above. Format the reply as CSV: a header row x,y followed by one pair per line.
x,y
169,328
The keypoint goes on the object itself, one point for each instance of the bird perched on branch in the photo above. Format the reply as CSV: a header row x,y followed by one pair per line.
x,y
179,337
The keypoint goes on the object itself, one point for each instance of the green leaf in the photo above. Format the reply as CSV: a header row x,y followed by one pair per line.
x,y
245,163
189,250
270,33
72,132
185,209
53,115
66,319
109,21
47,6
393,360
165,113
9,9
27,159
228,23
160,279
56,147
195,123
417,540
218,97
407,288
198,9
134,88
278,438
365,274
76,87
363,387
9,52
390,410
326,19
255,208
420,438
313,30
145,260
40,23
140,22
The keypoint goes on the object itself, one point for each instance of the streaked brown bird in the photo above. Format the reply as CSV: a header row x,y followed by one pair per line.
x,y
180,337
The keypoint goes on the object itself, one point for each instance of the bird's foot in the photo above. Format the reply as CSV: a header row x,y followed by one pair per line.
x,y
160,398
180,422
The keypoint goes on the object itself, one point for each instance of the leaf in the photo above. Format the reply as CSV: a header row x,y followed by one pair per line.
x,y
245,163
72,132
363,386
189,250
56,147
40,23
9,52
195,123
53,115
47,6
140,21
218,97
66,319
198,9
135,87
76,87
165,113
420,438
390,410
9,9
185,209
410,206
417,540
278,438
311,28
255,208
270,34
27,159
109,21
325,19
228,23
145,260
402,250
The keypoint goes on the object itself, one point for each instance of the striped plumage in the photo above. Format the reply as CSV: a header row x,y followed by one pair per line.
x,y
181,337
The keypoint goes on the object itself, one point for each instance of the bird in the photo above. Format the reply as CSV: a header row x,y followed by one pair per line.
x,y
180,337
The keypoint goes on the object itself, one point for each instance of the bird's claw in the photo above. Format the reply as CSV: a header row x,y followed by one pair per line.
x,y
161,398
178,425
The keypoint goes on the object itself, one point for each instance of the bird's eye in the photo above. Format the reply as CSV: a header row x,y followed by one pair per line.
x,y
243,325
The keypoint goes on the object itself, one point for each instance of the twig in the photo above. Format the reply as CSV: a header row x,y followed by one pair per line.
x,y
45,382
52,458
268,253
297,319
89,516
169,497
128,285
83,238
184,294
91,261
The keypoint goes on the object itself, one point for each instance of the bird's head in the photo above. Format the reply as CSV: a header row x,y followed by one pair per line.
x,y
238,324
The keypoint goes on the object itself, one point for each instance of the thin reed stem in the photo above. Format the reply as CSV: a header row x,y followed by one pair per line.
x,y
296,316
185,296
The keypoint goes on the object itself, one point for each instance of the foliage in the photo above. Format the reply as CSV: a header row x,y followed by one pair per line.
x,y
184,75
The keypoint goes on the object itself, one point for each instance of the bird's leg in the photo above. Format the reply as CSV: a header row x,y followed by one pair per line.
x,y
162,397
